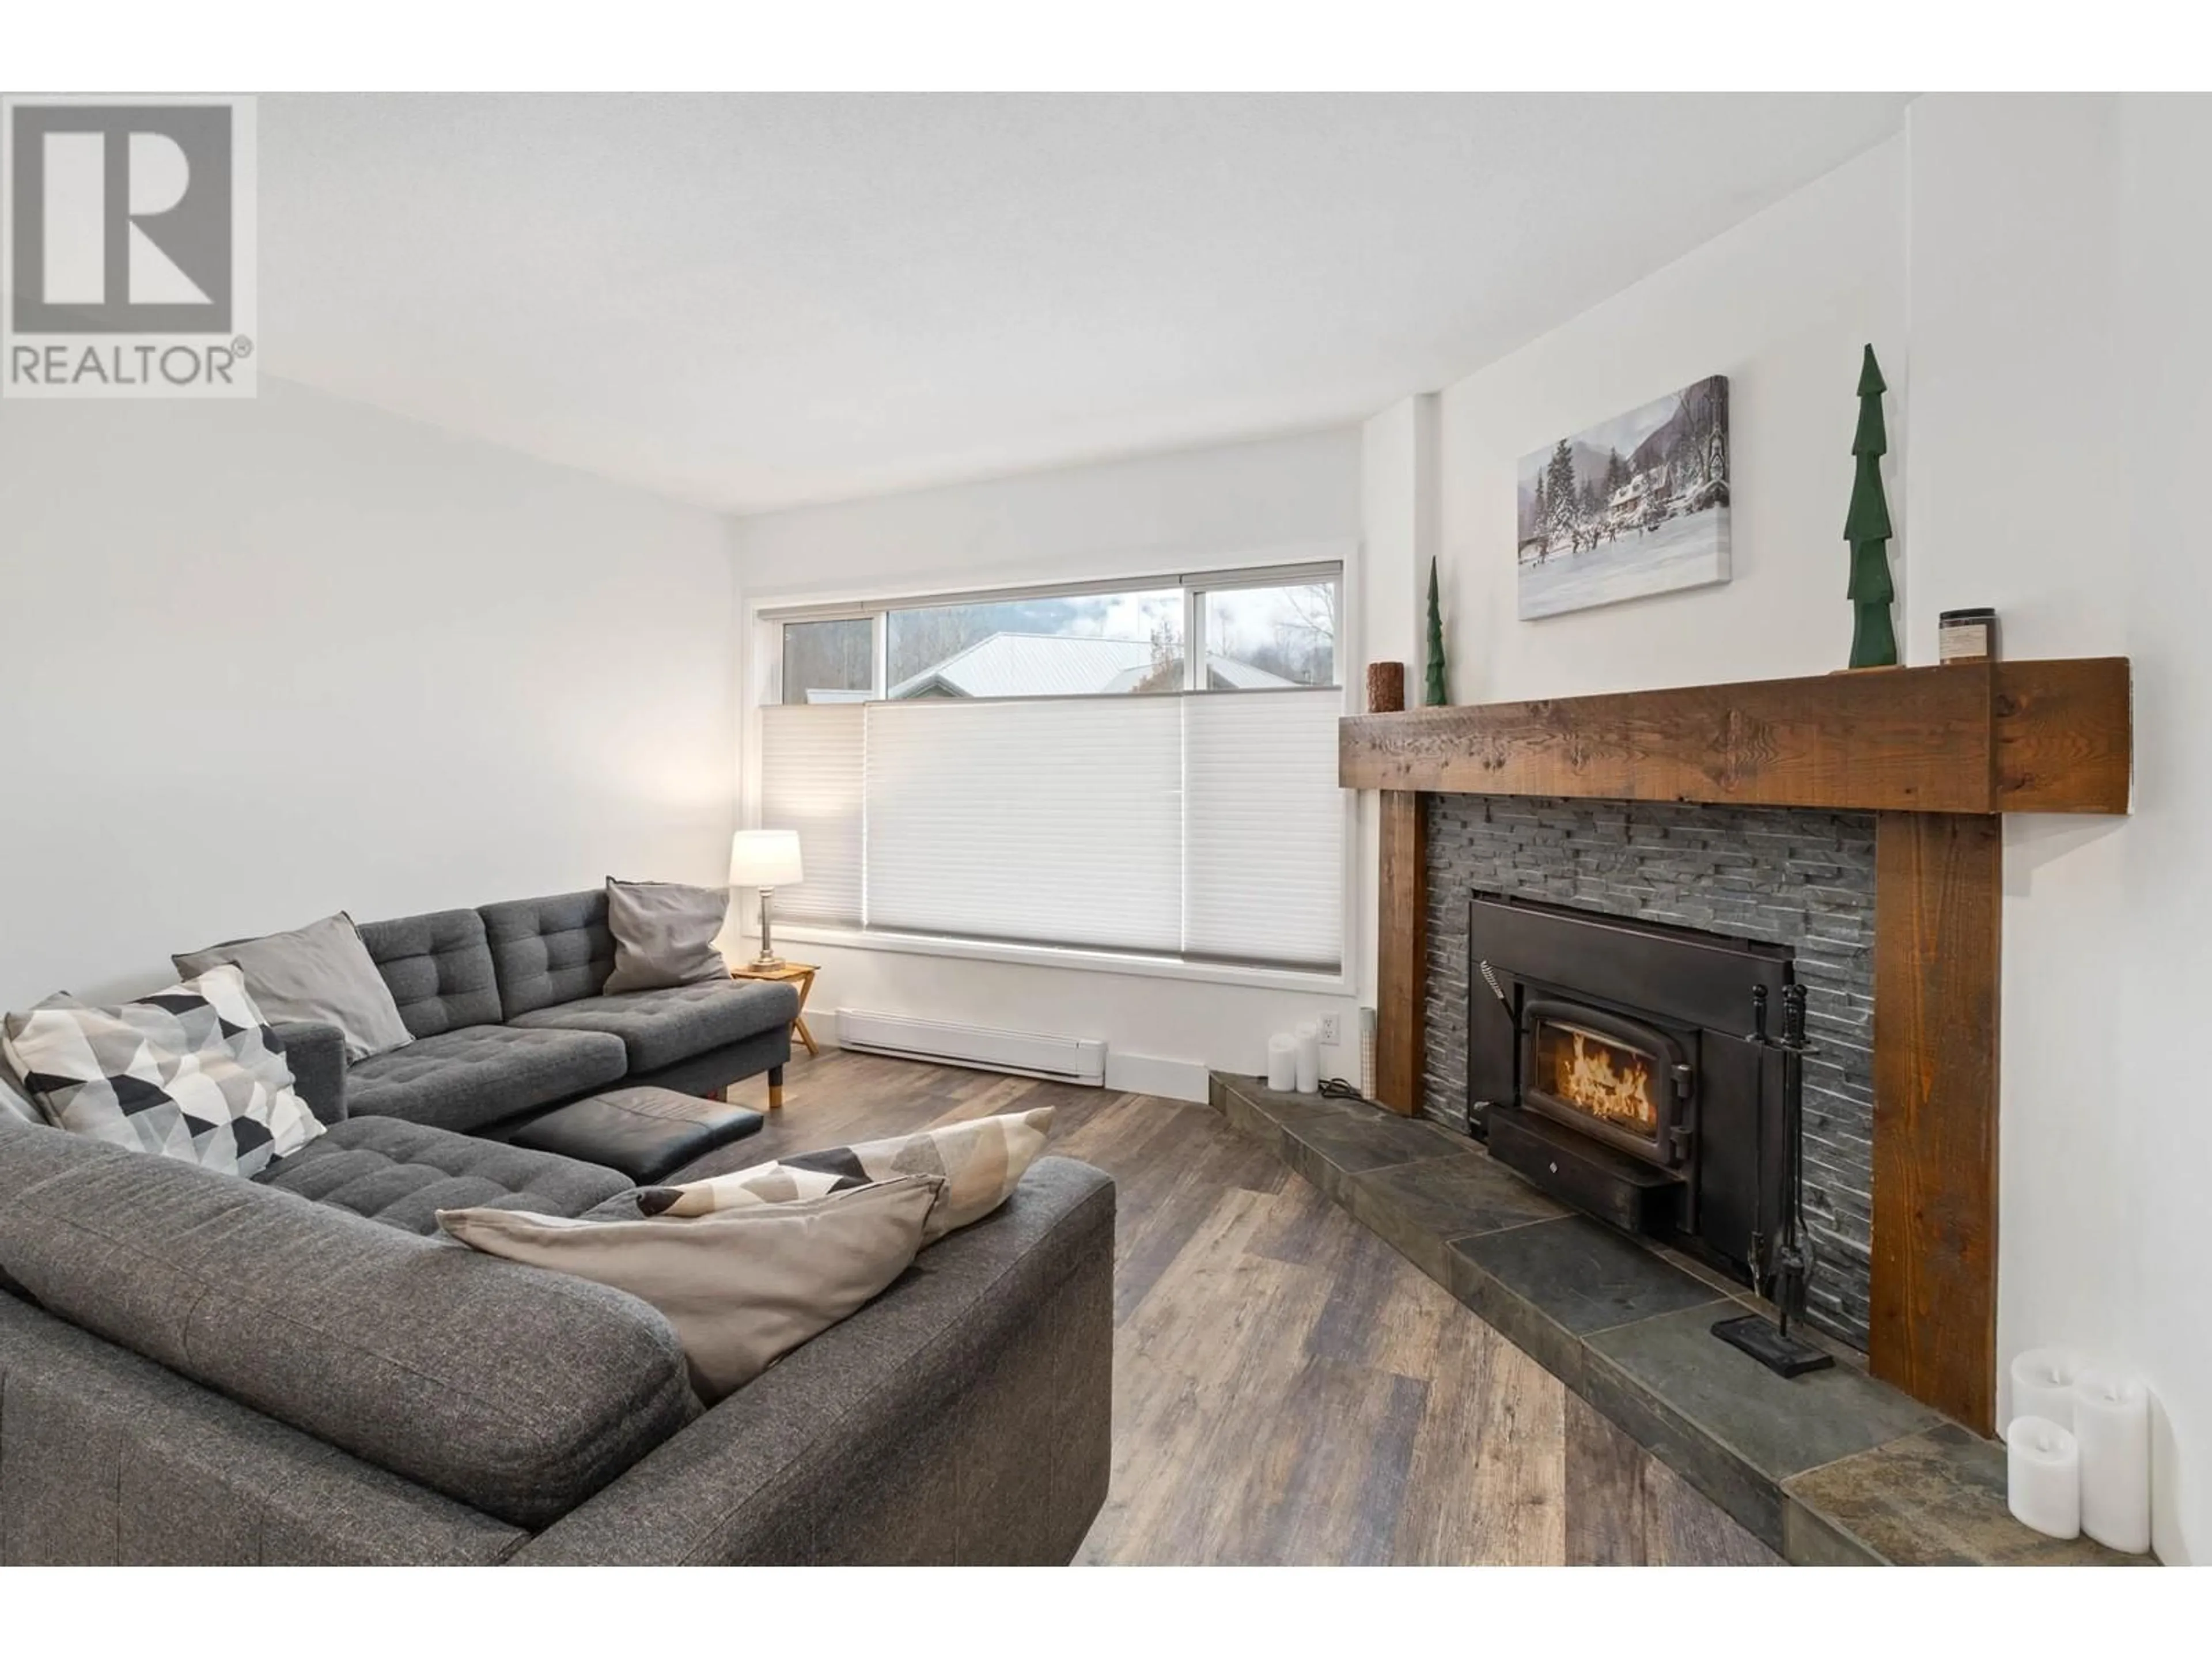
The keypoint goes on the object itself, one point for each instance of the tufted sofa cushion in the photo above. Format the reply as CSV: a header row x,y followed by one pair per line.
x,y
660,1028
546,951
467,1078
403,1174
439,967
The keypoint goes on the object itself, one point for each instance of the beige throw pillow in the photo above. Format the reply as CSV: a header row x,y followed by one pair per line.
x,y
741,1288
981,1162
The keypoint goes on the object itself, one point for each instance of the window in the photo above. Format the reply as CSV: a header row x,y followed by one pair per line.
x,y
1270,634
1091,644
1147,769
829,662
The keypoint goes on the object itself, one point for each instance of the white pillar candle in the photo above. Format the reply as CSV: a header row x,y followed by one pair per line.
x,y
1282,1062
2043,1470
2043,1385
2112,1425
1309,1036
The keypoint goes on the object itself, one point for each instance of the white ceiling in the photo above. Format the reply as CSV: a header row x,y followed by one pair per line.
x,y
751,302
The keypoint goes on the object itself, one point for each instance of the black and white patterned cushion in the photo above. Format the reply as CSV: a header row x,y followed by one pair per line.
x,y
191,1073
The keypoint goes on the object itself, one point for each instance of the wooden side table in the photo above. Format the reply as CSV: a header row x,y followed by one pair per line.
x,y
800,974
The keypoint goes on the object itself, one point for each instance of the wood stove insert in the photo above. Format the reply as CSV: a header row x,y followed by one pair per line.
x,y
1647,1074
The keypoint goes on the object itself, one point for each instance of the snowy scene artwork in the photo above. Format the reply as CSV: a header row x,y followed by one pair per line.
x,y
1636,505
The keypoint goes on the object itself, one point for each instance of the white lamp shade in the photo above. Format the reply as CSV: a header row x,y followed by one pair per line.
x,y
764,857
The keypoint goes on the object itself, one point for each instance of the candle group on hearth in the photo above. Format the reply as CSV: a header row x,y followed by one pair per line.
x,y
2078,1450
1294,1058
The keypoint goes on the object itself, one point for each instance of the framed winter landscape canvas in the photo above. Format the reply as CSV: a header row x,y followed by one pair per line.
x,y
1635,505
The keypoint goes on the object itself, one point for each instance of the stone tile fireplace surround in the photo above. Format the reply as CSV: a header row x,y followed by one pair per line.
x,y
1801,879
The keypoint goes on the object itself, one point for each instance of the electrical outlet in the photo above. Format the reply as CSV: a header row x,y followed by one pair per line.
x,y
1329,1033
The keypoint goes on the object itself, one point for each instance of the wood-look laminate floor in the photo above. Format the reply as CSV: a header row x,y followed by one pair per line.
x,y
1287,1388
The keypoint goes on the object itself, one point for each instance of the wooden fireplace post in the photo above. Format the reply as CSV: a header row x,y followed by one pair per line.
x,y
1402,951
1932,1326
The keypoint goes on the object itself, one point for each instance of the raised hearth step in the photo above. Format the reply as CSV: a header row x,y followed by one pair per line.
x,y
1829,1468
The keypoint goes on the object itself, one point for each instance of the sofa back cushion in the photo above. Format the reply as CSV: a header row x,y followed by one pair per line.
x,y
549,951
439,968
514,1390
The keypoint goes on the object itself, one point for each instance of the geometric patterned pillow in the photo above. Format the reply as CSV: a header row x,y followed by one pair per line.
x,y
191,1073
980,1162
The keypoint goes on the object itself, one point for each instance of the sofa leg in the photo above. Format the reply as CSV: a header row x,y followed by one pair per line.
x,y
775,1088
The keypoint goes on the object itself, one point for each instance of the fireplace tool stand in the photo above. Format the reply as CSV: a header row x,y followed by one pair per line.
x,y
1772,1345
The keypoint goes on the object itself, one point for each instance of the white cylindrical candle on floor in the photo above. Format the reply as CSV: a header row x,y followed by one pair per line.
x,y
2111,1426
1282,1062
1309,1036
2043,1385
2043,1470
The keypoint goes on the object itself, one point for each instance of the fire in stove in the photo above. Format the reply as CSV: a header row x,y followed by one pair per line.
x,y
1610,1082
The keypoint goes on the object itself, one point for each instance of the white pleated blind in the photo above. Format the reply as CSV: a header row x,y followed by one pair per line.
x,y
1263,848
1053,821
1207,825
812,766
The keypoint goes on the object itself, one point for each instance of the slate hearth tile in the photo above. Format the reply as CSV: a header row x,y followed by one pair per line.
x,y
1417,1206
1931,1499
1733,1428
1584,1276
1367,1139
1544,1285
1283,1106
1248,1120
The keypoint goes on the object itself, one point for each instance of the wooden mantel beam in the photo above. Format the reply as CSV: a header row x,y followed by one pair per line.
x,y
1975,738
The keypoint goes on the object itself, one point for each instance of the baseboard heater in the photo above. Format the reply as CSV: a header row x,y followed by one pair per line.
x,y
1025,1054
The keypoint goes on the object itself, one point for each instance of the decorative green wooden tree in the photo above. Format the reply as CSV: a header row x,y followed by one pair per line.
x,y
1867,528
1434,692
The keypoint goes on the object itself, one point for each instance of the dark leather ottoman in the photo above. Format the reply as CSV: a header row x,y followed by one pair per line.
x,y
645,1133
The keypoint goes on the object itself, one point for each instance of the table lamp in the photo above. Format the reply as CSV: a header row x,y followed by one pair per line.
x,y
768,859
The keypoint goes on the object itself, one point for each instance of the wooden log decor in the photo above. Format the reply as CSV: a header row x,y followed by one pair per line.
x,y
1386,687
1939,753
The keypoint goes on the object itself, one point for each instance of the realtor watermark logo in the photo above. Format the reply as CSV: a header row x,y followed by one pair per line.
x,y
127,247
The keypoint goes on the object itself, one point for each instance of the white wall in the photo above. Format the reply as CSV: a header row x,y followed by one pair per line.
x,y
263,660
2141,1238
2060,366
1782,306
1192,509
1398,514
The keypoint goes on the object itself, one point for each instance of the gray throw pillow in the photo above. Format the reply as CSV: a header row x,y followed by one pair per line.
x,y
321,972
665,934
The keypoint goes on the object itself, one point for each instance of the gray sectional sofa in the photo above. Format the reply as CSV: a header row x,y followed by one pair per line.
x,y
507,1009
197,1368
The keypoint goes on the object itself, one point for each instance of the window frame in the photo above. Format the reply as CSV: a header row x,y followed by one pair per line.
x,y
1195,586
1305,565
